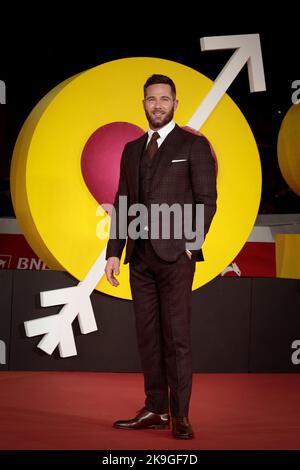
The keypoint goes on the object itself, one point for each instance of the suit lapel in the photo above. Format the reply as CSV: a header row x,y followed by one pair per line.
x,y
135,162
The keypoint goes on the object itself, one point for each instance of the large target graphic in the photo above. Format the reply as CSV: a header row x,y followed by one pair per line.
x,y
90,117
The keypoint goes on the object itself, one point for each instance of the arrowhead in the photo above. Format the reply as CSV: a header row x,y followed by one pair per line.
x,y
248,50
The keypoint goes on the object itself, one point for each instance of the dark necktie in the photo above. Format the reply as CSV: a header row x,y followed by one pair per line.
x,y
152,146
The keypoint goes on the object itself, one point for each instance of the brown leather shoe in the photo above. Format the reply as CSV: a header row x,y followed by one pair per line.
x,y
181,428
145,419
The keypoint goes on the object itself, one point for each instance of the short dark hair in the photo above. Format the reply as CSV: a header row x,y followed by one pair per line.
x,y
157,78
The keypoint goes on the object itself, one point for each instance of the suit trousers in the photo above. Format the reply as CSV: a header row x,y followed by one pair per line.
x,y
161,292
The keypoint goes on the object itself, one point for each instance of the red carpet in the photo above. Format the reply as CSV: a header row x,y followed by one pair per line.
x,y
75,410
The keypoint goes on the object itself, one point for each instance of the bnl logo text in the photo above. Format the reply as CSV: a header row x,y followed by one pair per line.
x,y
2,352
2,92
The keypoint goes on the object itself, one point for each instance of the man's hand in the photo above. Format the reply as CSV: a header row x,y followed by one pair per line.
x,y
112,267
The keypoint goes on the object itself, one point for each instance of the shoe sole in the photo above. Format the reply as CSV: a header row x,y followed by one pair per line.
x,y
152,426
183,437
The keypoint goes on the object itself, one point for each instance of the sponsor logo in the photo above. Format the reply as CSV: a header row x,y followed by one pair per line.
x,y
5,261
31,264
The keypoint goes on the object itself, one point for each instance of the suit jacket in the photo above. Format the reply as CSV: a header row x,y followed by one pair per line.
x,y
192,180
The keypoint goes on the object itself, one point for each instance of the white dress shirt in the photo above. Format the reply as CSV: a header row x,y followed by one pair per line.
x,y
163,132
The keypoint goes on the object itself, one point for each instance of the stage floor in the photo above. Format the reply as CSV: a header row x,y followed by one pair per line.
x,y
75,410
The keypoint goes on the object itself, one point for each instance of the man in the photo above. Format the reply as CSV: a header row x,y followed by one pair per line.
x,y
167,165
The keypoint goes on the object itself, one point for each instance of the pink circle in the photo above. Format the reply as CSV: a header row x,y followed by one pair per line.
x,y
101,156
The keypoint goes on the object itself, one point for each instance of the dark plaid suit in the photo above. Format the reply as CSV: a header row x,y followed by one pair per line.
x,y
161,273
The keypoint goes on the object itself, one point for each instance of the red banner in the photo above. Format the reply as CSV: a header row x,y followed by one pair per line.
x,y
15,253
256,259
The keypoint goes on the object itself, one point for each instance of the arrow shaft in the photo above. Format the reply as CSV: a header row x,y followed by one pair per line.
x,y
94,275
222,83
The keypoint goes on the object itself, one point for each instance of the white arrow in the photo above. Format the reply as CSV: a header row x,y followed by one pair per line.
x,y
57,329
248,51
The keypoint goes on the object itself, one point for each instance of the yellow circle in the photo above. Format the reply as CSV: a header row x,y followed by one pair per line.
x,y
55,209
288,148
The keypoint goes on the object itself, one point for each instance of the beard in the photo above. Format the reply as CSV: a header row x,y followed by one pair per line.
x,y
157,122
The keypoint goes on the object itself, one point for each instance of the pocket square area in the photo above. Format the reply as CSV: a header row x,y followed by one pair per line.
x,y
180,160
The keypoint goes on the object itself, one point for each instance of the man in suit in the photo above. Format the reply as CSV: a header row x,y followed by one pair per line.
x,y
165,166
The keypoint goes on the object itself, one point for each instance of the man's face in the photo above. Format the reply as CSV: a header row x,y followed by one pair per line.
x,y
159,105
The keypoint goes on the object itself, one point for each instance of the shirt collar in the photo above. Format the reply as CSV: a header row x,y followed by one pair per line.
x,y
164,131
